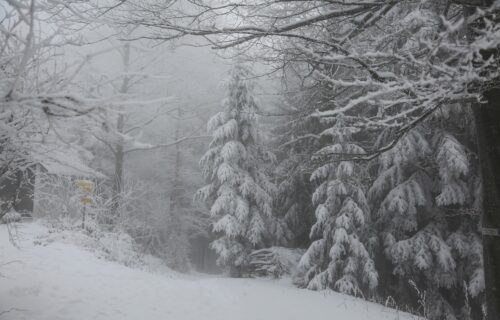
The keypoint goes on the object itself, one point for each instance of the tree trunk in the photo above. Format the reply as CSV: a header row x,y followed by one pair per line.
x,y
488,137
177,237
119,152
174,197
487,121
118,174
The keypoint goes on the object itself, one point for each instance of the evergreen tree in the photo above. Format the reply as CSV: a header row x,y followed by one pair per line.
x,y
338,257
422,200
296,139
239,192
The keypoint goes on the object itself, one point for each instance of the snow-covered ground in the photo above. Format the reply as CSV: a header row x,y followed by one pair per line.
x,y
59,280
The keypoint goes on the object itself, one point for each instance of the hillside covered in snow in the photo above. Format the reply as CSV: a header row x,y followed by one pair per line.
x,y
53,275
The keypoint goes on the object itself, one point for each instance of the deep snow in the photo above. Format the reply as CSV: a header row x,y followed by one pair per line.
x,y
61,280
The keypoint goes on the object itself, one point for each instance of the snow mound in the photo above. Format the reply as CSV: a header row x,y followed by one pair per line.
x,y
112,246
119,247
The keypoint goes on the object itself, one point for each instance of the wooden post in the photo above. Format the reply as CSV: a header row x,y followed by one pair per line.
x,y
83,216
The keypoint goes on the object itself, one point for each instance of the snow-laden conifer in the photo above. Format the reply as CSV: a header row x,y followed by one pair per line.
x,y
338,257
423,200
238,190
295,138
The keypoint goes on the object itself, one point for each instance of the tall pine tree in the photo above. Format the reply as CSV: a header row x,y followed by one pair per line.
x,y
239,192
423,200
338,257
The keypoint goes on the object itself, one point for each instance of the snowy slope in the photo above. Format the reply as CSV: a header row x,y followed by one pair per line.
x,y
61,281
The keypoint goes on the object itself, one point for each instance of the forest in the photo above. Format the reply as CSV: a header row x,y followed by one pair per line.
x,y
267,159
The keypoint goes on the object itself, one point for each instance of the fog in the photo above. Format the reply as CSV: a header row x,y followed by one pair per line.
x,y
249,159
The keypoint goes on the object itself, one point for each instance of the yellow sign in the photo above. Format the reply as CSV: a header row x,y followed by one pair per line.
x,y
86,186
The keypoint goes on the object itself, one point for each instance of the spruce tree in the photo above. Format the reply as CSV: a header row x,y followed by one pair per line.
x,y
338,258
423,200
296,138
238,190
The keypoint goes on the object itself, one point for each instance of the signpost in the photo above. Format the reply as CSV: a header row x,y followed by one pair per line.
x,y
86,188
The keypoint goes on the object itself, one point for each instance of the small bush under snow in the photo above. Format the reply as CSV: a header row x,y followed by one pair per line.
x,y
11,216
114,246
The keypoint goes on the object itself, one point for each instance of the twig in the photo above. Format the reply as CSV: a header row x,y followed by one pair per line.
x,y
10,310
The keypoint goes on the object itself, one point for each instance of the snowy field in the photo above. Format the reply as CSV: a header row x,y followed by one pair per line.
x,y
54,278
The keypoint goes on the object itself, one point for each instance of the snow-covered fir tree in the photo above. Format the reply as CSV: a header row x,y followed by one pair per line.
x,y
295,139
423,200
239,192
338,257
